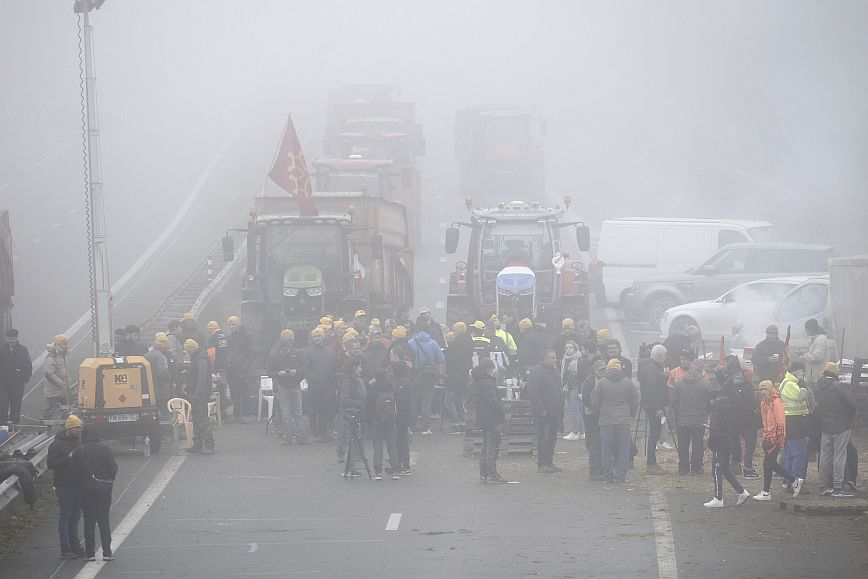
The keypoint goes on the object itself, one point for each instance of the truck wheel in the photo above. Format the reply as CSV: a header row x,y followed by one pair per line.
x,y
656,306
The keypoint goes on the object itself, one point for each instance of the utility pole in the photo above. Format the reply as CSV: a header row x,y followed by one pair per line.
x,y
100,286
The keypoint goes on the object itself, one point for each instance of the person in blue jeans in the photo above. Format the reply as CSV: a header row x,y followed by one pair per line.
x,y
66,487
616,401
572,368
795,398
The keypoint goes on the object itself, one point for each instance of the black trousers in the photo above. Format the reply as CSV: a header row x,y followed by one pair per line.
x,y
10,402
721,471
322,411
402,442
771,464
546,434
239,389
491,437
95,508
654,428
690,448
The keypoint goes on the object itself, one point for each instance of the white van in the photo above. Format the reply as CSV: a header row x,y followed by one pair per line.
x,y
633,247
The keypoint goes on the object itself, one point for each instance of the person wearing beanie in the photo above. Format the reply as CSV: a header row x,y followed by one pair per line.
x,y
547,403
15,371
774,437
819,352
490,417
690,400
797,409
218,347
568,332
286,367
654,400
320,364
592,420
199,393
157,357
93,462
56,374
189,330
615,400
66,487
326,321
530,343
602,338
584,331
767,356
837,413
723,425
239,354
459,361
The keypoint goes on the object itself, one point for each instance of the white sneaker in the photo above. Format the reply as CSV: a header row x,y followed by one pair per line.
x,y
425,432
797,486
664,446
742,498
785,486
714,503
763,496
581,436
571,436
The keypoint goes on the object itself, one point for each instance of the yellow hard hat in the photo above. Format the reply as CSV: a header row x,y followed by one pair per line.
x,y
479,325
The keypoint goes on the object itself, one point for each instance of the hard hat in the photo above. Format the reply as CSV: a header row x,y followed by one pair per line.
x,y
287,335
479,325
212,326
568,324
191,346
360,313
73,421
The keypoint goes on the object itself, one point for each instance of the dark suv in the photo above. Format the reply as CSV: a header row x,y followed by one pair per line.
x,y
732,265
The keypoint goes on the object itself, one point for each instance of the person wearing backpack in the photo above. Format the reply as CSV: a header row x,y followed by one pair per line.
x,y
428,359
95,468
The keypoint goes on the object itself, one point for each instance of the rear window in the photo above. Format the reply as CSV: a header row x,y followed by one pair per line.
x,y
786,261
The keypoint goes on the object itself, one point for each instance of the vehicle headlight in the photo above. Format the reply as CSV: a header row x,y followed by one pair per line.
x,y
314,291
290,292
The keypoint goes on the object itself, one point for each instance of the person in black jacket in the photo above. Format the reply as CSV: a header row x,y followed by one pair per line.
x,y
351,396
381,414
592,421
398,374
321,363
15,371
285,366
748,420
459,361
722,428
613,352
489,417
95,467
530,342
654,399
544,391
238,357
199,393
66,487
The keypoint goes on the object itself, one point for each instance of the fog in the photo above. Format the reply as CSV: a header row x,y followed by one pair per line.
x,y
734,109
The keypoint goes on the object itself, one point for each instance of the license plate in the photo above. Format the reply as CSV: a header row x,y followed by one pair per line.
x,y
123,417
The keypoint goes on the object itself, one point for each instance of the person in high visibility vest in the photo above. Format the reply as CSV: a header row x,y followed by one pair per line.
x,y
797,411
481,344
501,333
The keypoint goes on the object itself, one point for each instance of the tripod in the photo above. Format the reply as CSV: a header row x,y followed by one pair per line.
x,y
645,433
355,440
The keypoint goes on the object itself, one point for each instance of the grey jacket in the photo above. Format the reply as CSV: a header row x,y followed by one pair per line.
x,y
162,378
615,399
691,399
816,357
56,373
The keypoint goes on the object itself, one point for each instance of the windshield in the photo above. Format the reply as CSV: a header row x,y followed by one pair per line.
x,y
758,292
289,245
765,233
527,243
806,301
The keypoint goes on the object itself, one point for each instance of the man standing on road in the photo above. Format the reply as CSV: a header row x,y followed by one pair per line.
x,y
459,361
766,357
285,365
501,333
654,399
351,397
429,359
819,353
237,366
199,391
749,420
795,399
568,332
15,371
613,352
592,420
321,363
836,412
690,401
616,400
66,487
544,391
530,343
157,358
56,373
489,417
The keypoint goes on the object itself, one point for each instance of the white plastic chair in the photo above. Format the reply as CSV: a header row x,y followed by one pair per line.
x,y
266,392
182,415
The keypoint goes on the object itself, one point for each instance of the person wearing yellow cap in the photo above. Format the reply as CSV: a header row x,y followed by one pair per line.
x,y
326,321
320,367
360,324
239,351
774,437
56,374
602,339
189,330
286,367
501,333
481,343
530,343
157,358
399,333
218,346
568,332
199,391
836,412
66,486
616,401
459,361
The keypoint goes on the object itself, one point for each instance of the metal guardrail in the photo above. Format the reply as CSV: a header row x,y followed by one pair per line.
x,y
38,441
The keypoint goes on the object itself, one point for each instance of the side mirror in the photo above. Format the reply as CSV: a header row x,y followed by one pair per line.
x,y
228,249
377,247
583,237
451,240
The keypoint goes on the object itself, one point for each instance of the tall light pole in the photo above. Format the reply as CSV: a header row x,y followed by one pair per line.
x,y
100,286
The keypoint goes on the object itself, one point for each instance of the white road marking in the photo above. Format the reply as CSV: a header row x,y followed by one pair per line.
x,y
667,568
394,521
253,547
267,573
135,514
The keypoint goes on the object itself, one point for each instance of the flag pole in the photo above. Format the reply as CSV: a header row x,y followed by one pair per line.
x,y
274,156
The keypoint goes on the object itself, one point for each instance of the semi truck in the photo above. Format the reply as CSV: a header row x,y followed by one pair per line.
x,y
355,254
7,280
501,152
517,265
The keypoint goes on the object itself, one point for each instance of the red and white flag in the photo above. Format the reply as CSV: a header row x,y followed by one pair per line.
x,y
290,171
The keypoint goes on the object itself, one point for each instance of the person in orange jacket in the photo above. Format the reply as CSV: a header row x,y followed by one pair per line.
x,y
774,435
